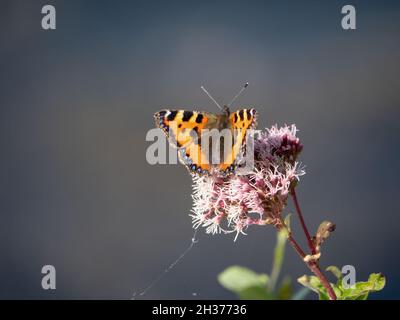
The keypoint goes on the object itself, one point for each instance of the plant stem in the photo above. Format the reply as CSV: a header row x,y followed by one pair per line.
x,y
317,271
303,224
313,266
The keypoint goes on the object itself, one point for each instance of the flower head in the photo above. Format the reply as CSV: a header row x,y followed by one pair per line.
x,y
232,203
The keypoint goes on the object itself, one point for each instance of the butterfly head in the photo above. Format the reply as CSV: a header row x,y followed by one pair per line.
x,y
226,111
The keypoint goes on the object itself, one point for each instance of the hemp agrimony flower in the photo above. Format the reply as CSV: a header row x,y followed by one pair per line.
x,y
231,204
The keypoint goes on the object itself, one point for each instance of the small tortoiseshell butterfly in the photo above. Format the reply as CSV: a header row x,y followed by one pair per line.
x,y
184,130
189,131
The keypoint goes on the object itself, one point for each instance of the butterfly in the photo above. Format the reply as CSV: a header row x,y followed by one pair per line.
x,y
186,131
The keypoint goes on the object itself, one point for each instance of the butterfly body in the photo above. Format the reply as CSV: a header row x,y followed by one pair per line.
x,y
189,131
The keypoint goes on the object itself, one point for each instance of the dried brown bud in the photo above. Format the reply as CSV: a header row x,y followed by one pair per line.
x,y
323,232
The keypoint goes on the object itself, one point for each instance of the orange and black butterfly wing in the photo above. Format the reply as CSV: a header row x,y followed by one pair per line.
x,y
239,122
184,131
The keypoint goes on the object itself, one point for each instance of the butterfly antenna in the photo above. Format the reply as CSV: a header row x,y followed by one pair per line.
x,y
209,95
239,93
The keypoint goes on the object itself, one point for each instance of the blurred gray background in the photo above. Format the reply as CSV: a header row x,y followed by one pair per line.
x,y
76,104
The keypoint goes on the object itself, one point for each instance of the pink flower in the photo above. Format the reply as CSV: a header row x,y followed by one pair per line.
x,y
231,204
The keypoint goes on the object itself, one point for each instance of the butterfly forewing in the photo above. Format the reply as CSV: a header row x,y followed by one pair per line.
x,y
185,130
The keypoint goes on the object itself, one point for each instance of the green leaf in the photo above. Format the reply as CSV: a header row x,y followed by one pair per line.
x,y
285,291
360,291
336,271
245,283
279,254
255,293
314,284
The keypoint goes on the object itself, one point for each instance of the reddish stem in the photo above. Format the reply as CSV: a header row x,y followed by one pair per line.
x,y
313,266
303,224
317,271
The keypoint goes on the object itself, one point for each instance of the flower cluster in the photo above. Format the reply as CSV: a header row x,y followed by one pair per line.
x,y
232,203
